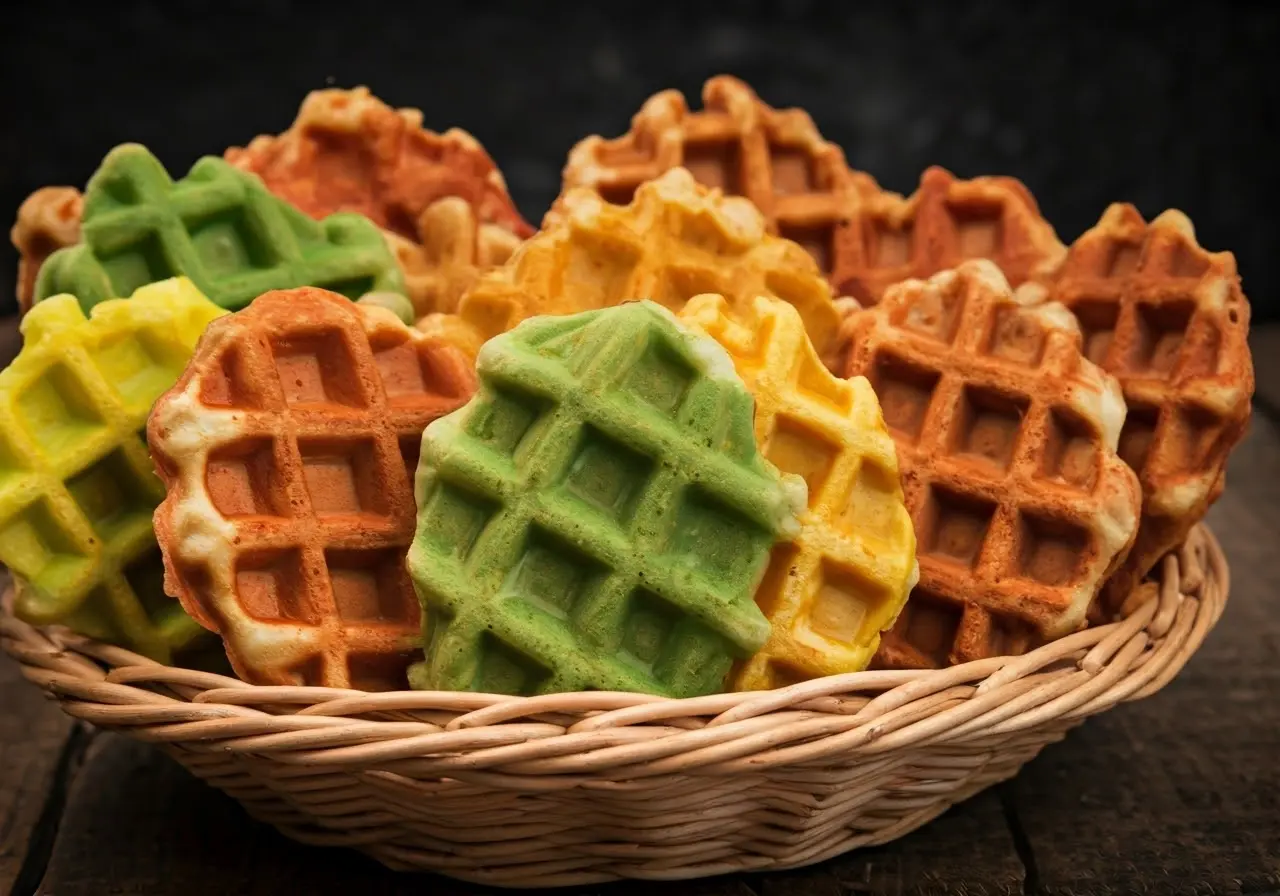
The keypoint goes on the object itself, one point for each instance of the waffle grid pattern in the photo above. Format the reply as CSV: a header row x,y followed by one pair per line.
x,y
829,592
1006,441
77,489
1169,320
349,151
309,410
440,199
889,238
676,240
219,227
609,427
738,144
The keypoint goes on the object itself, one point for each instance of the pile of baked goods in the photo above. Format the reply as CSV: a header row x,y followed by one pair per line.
x,y
733,417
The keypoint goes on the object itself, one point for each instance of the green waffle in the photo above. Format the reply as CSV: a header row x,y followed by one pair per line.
x,y
77,487
598,516
220,227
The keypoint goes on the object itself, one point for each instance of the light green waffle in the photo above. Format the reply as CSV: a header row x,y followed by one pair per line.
x,y
598,516
77,488
220,227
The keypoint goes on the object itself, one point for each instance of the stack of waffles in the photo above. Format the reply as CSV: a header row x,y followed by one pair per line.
x,y
733,417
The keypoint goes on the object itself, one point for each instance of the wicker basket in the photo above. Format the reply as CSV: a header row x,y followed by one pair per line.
x,y
591,787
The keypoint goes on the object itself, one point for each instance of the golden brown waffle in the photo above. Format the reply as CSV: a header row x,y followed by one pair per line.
x,y
674,241
889,238
452,250
1170,321
48,220
349,151
1006,437
774,157
288,448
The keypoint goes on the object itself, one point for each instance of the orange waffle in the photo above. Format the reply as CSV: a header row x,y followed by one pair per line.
x,y
288,448
1006,437
774,157
48,220
1170,321
674,241
349,151
890,238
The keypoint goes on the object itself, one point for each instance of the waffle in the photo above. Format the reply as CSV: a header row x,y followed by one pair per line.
x,y
674,241
1007,439
774,157
452,250
48,220
832,589
397,304
77,489
218,226
439,197
1170,322
947,221
287,447
598,516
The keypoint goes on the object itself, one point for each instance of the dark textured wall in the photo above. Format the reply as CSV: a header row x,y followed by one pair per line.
x,y
1161,104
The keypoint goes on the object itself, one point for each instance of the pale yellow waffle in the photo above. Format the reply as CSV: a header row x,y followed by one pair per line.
x,y
674,241
774,157
832,589
48,220
1169,320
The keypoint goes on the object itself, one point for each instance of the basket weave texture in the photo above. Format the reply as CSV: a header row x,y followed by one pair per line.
x,y
590,787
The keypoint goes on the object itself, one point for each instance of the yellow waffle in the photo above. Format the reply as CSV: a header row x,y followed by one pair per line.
x,y
674,241
830,591
739,144
77,488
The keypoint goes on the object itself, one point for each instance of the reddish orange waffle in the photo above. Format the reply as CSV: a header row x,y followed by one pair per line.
x,y
1006,438
1170,321
288,448
349,151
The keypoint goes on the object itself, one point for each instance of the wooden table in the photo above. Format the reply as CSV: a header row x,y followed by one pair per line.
x,y
1177,794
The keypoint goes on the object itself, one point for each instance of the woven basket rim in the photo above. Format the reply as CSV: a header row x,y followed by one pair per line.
x,y
569,789
1152,644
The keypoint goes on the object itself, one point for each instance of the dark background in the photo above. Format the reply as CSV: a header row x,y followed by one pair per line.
x,y
1161,104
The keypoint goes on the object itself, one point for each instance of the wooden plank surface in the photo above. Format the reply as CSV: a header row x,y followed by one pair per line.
x,y
1176,794
35,750
35,755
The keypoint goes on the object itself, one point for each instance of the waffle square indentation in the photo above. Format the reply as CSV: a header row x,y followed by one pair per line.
x,y
59,411
244,479
608,475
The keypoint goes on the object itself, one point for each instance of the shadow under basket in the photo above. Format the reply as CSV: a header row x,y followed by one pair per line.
x,y
590,787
